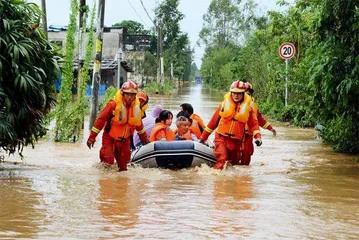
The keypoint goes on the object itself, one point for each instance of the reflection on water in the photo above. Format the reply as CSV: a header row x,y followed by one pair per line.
x,y
233,192
119,202
21,214
295,188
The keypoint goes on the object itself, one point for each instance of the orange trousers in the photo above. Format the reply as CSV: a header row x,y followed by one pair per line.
x,y
247,150
113,149
226,148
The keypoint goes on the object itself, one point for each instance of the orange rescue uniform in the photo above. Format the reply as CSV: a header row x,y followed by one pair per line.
x,y
248,148
161,130
229,121
116,141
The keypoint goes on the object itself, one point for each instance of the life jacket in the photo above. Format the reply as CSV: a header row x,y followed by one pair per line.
x,y
170,135
234,116
254,106
186,136
124,118
199,120
143,111
195,129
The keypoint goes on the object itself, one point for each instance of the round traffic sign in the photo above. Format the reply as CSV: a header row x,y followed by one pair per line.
x,y
286,50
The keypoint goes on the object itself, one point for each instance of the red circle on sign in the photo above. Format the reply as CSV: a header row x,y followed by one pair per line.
x,y
286,50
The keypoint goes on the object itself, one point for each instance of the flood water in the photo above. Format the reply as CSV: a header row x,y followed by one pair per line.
x,y
295,188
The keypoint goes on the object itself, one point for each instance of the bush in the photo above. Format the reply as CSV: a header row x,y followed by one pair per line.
x,y
109,94
342,134
155,88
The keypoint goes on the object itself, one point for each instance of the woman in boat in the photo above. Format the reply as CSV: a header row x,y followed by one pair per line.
x,y
162,131
183,132
149,122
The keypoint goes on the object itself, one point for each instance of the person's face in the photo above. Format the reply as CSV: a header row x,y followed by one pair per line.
x,y
168,121
129,97
183,127
237,97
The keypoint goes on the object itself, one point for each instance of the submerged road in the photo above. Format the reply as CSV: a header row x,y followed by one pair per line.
x,y
295,188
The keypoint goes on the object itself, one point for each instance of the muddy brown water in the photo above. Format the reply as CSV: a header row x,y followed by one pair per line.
x,y
295,188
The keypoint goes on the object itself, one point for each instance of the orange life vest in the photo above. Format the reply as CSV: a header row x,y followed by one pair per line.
x,y
194,128
234,116
143,109
254,106
124,118
199,120
170,135
186,136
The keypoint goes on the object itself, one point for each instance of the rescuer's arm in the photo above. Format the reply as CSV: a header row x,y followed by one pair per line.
x,y
141,131
100,122
265,124
211,126
254,127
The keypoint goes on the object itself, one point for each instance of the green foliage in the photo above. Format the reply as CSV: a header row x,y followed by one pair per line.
x,y
28,67
62,130
157,88
109,94
70,114
80,107
133,27
322,77
175,43
342,134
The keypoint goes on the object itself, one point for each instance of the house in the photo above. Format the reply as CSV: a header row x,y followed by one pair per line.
x,y
113,55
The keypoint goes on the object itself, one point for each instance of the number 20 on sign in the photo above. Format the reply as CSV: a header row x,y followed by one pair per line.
x,y
286,50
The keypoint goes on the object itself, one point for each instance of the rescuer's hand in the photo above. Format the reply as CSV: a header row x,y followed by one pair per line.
x,y
274,132
146,142
258,142
90,143
202,141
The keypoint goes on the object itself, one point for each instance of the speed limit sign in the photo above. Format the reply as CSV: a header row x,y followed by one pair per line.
x,y
286,50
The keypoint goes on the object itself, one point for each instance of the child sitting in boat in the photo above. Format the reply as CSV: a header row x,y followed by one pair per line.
x,y
183,132
162,131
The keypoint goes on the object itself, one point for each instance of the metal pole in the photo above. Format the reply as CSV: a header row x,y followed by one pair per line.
x,y
118,71
286,82
158,54
96,79
44,16
162,61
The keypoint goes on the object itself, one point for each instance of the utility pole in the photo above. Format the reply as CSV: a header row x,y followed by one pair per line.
x,y
81,45
44,17
158,54
161,54
96,79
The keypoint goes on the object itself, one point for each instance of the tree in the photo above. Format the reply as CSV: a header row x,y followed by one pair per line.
x,y
28,67
133,27
175,43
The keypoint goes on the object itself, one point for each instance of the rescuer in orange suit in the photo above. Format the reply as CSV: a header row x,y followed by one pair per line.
x,y
125,114
248,149
229,121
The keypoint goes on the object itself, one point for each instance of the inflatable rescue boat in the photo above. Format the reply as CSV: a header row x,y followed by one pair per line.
x,y
173,155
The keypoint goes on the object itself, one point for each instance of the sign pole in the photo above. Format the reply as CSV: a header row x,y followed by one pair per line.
x,y
286,51
286,82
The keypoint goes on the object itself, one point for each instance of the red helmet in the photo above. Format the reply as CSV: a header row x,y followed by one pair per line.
x,y
248,86
238,86
129,87
142,95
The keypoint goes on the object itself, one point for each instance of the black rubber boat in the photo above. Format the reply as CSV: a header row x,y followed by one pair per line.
x,y
173,155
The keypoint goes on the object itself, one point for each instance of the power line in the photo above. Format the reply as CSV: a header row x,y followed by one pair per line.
x,y
147,13
136,12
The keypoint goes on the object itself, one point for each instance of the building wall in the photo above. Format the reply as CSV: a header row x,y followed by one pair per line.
x,y
110,45
136,58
